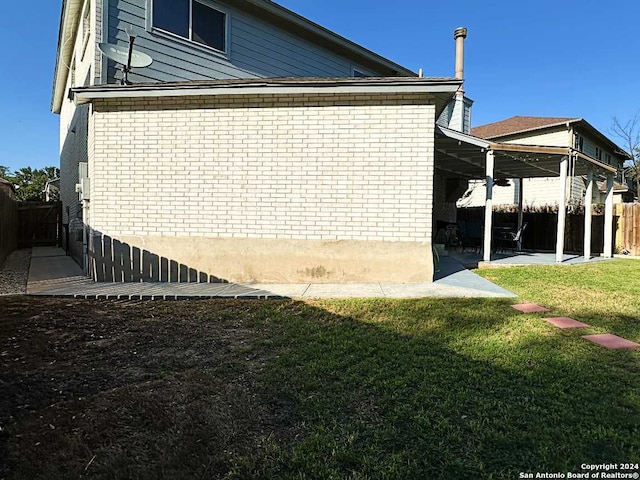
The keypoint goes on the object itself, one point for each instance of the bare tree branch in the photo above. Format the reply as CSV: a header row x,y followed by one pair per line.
x,y
629,133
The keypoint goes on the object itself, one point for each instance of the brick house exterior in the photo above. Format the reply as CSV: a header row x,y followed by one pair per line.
x,y
234,165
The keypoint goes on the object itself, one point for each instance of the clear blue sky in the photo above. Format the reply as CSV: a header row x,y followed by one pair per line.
x,y
573,58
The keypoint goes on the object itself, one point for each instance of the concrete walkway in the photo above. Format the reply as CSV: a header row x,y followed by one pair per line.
x,y
52,273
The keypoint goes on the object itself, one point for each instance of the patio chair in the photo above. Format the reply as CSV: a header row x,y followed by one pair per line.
x,y
512,240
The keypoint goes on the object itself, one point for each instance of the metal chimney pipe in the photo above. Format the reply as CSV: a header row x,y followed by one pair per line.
x,y
459,35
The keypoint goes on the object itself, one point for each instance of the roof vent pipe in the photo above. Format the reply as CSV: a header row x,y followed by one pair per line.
x,y
459,35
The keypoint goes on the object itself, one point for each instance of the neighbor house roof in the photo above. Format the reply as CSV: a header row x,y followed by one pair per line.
x,y
518,124
521,125
266,9
617,187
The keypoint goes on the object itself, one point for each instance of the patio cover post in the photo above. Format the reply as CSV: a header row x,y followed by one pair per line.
x,y
588,215
562,209
520,203
608,218
488,205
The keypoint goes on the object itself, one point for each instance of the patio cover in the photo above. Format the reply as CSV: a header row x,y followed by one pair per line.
x,y
465,156
473,158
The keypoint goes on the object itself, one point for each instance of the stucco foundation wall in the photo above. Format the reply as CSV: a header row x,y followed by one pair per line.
x,y
318,188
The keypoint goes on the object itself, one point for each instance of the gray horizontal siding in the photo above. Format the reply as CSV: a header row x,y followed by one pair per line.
x,y
255,42
256,49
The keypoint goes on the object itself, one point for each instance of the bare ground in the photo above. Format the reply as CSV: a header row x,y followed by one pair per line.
x,y
14,272
103,389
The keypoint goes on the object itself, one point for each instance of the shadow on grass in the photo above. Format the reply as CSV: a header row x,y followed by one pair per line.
x,y
352,389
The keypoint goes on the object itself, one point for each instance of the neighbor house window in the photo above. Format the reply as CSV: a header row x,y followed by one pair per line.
x,y
598,153
195,20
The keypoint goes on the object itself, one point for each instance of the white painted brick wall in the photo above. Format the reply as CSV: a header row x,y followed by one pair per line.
x,y
309,167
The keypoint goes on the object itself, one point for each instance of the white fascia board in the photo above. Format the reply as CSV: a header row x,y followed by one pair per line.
x,y
69,21
463,137
85,96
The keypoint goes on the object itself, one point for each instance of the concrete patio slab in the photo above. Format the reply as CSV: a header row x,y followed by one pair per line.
x,y
453,274
612,342
52,273
565,322
530,308
518,259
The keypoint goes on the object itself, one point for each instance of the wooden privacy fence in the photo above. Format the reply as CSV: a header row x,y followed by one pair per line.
x,y
628,230
39,224
8,226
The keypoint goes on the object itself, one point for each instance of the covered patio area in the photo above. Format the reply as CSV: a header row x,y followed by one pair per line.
x,y
464,157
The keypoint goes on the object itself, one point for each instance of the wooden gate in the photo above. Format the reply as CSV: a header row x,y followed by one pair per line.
x,y
39,224
628,231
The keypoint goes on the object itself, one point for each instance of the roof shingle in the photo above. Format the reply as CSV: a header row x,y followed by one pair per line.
x,y
518,124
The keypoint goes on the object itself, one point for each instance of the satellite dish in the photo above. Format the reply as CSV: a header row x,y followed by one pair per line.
x,y
121,55
127,57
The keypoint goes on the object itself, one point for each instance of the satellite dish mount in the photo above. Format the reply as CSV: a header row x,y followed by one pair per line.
x,y
127,68
129,58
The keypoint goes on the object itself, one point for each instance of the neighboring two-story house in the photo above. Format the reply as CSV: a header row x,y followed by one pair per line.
x,y
575,133
257,147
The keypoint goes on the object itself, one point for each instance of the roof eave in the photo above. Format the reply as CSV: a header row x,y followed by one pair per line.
x,y
82,95
441,91
616,149
462,137
69,19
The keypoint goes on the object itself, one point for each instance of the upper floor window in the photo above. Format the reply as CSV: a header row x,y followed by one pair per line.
x,y
579,143
598,153
607,158
193,19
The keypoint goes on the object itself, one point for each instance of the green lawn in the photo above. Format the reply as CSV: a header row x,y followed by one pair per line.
x,y
365,389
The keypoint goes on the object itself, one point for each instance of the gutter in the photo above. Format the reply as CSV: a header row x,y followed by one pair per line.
x,y
83,95
69,21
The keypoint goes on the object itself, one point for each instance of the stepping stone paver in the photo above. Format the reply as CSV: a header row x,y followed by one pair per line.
x,y
565,322
612,342
530,308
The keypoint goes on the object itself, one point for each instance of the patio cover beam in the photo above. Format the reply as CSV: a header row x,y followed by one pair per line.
x,y
510,147
595,163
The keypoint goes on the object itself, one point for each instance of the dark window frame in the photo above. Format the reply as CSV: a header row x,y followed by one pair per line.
x,y
194,37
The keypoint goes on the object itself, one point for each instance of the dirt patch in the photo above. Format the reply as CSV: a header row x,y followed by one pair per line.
x,y
124,389
14,272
